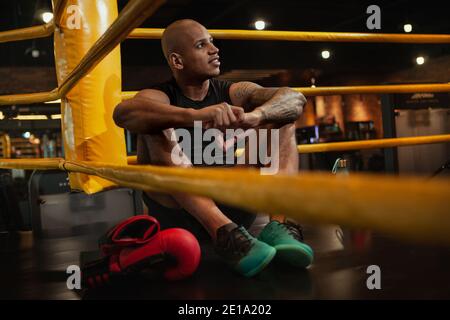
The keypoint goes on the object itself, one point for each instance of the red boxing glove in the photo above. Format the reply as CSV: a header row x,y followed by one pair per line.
x,y
136,244
179,244
131,232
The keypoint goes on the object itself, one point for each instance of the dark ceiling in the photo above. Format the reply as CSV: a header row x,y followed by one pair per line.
x,y
318,15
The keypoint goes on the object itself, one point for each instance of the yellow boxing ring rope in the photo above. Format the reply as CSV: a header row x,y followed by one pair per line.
x,y
36,32
360,201
356,145
365,201
270,35
327,91
98,52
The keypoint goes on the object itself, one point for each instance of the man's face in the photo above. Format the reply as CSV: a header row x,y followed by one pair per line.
x,y
200,56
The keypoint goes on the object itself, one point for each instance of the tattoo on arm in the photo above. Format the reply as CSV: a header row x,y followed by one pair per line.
x,y
261,96
242,93
285,105
276,104
244,90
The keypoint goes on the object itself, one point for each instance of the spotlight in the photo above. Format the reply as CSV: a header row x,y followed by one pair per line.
x,y
26,135
420,60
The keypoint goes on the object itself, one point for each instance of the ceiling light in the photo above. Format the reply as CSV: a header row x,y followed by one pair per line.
x,y
407,27
420,60
260,25
35,53
47,17
325,54
31,117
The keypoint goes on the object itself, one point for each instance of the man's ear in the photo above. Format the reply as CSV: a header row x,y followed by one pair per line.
x,y
176,61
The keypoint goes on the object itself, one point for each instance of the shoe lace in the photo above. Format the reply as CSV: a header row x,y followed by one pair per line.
x,y
240,241
294,229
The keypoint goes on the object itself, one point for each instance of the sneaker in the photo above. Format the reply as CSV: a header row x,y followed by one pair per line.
x,y
287,239
246,254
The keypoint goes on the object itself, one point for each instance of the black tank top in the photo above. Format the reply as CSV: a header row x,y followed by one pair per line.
x,y
218,92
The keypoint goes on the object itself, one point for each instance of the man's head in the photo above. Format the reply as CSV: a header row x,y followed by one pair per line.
x,y
189,50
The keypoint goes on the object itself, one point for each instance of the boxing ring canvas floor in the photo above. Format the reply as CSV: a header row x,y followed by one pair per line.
x,y
35,269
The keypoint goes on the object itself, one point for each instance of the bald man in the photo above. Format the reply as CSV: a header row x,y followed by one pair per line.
x,y
195,96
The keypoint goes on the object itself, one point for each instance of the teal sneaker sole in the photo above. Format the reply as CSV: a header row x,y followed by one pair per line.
x,y
262,265
298,255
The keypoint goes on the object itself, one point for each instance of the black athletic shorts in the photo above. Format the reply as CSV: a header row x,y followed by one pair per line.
x,y
180,218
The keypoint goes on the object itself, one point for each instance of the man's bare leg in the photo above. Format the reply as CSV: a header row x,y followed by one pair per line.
x,y
247,255
287,158
287,237
201,208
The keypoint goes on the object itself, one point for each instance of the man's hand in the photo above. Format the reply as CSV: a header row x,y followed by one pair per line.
x,y
220,116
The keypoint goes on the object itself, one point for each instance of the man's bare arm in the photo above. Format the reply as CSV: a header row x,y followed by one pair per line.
x,y
150,112
279,105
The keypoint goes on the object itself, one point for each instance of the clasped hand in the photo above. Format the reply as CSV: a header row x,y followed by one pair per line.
x,y
225,116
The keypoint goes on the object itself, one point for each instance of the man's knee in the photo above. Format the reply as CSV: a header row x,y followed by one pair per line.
x,y
166,200
287,131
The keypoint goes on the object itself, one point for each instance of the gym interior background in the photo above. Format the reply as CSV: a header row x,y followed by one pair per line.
x,y
38,207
